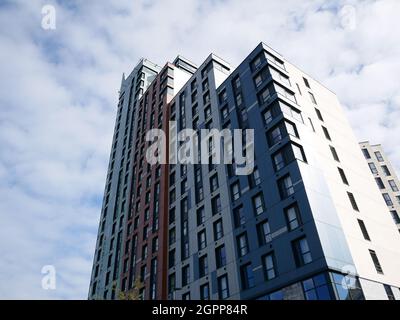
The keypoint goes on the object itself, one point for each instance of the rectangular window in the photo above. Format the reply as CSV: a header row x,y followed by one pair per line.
x,y
387,199
343,176
171,283
218,230
312,98
172,236
201,216
287,154
293,219
334,153
326,133
363,230
258,204
222,97
301,251
285,186
255,178
319,114
224,112
395,216
223,289
373,168
353,201
235,191
366,154
264,96
306,83
207,112
186,296
386,170
269,266
220,256
214,183
376,262
378,156
201,239
380,184
247,276
216,205
185,275
242,244
239,216
393,186
205,292
389,292
264,233
203,266
171,258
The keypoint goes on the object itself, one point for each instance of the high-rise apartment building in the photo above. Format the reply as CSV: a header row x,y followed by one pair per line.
x,y
385,177
306,223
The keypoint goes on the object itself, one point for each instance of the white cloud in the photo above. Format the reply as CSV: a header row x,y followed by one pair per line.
x,y
58,93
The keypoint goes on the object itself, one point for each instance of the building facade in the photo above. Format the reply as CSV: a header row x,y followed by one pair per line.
x,y
307,223
385,177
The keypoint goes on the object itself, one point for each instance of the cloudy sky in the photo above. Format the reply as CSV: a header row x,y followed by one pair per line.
x,y
58,93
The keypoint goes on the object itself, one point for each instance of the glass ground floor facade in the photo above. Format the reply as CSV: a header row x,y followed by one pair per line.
x,y
327,285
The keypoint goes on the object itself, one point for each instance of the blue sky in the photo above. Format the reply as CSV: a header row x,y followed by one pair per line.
x,y
58,95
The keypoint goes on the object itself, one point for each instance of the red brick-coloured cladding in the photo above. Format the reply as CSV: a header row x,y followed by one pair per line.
x,y
156,102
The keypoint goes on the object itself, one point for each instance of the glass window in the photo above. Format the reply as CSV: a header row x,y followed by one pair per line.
x,y
224,112
312,98
376,262
393,186
301,252
326,133
306,83
264,95
353,201
373,168
269,266
218,230
292,215
389,292
334,153
205,292
223,289
201,239
239,216
366,154
363,229
379,182
220,256
343,176
319,114
214,183
286,187
216,204
242,244
258,203
201,216
247,276
395,216
378,156
203,266
235,190
387,199
185,275
386,170
264,233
